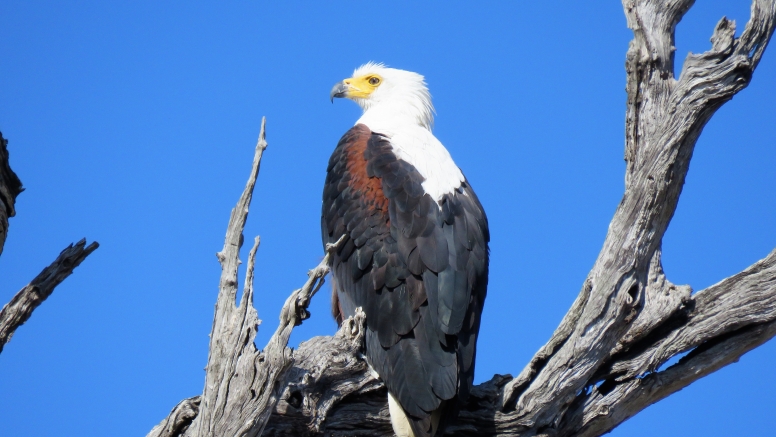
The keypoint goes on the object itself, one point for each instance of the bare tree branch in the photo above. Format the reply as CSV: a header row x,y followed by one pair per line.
x,y
234,328
718,325
21,306
241,387
602,364
664,119
734,304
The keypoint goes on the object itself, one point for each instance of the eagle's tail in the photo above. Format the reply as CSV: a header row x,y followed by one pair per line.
x,y
409,426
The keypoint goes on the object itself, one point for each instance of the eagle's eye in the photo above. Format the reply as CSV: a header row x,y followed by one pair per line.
x,y
374,81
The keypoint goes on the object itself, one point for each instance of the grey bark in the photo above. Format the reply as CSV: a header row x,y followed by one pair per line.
x,y
242,382
602,364
21,306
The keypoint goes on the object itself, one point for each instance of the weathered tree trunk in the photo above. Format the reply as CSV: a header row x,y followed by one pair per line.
x,y
21,306
600,366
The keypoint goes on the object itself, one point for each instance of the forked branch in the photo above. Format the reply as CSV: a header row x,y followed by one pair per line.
x,y
241,387
664,119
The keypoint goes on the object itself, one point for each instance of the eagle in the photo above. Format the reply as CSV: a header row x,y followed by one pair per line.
x,y
415,252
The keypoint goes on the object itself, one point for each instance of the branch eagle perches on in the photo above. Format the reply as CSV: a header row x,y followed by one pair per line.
x,y
602,364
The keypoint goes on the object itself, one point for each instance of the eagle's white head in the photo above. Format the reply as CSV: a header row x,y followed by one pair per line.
x,y
393,93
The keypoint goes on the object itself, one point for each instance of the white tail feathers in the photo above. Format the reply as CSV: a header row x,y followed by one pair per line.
x,y
401,423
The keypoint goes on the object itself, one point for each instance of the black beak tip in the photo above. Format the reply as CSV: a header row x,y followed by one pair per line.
x,y
339,90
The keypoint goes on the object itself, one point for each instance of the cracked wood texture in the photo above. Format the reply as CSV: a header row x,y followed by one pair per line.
x,y
602,364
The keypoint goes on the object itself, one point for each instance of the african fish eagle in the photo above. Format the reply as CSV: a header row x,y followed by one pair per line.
x,y
415,255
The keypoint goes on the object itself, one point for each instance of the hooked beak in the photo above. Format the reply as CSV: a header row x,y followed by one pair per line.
x,y
339,90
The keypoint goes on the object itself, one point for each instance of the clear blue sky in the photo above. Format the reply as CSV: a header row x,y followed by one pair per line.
x,y
133,124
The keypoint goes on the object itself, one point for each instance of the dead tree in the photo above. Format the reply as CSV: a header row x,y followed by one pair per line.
x,y
600,366
21,306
